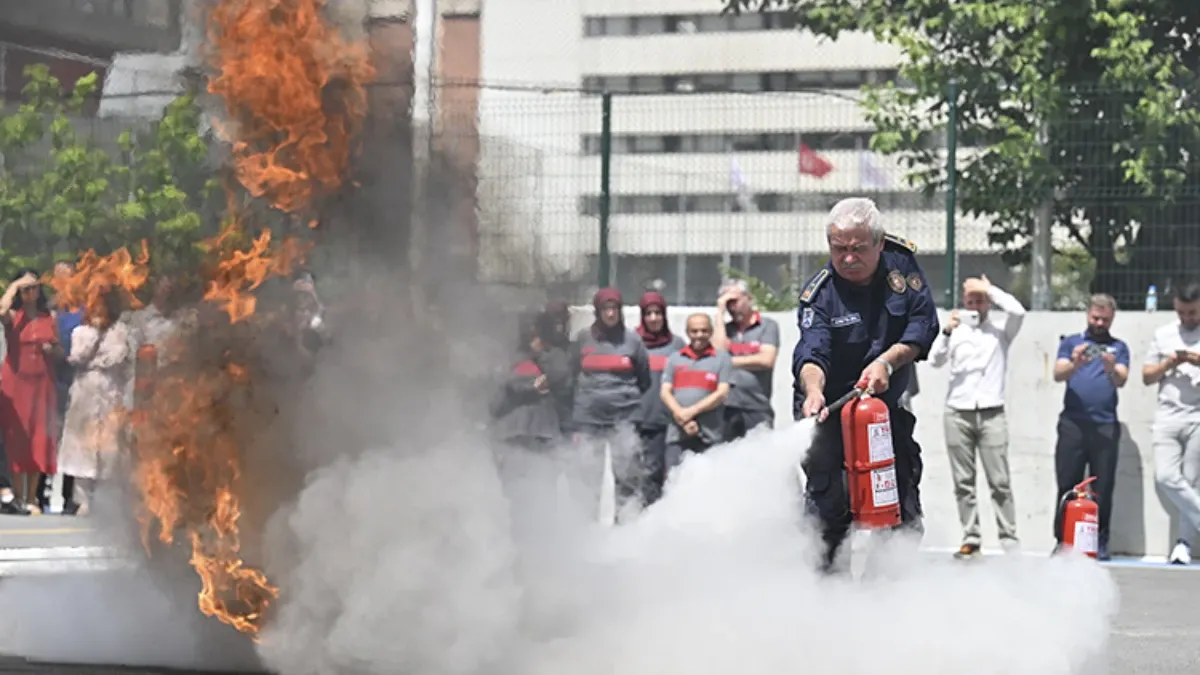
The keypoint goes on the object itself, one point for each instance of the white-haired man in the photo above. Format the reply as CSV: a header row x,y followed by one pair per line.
x,y
865,318
753,341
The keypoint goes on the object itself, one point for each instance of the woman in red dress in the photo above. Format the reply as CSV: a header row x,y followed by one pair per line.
x,y
28,400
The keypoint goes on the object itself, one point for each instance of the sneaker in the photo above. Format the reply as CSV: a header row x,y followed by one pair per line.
x,y
1181,554
1010,546
967,551
14,507
1102,553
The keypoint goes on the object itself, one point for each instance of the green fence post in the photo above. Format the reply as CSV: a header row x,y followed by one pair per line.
x,y
605,166
951,191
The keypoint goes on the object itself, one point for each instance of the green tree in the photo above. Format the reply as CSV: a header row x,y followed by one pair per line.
x,y
1085,104
54,188
62,192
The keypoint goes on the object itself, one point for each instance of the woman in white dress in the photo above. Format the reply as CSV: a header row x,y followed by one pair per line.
x,y
91,437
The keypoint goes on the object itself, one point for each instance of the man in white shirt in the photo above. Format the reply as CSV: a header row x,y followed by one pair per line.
x,y
1173,363
975,343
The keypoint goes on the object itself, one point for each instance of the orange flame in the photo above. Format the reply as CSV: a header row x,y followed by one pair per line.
x,y
294,93
274,62
95,276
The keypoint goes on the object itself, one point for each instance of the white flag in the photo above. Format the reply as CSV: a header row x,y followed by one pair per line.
x,y
745,198
871,176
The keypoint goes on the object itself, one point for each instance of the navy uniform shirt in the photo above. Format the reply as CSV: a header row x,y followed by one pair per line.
x,y
844,327
1091,395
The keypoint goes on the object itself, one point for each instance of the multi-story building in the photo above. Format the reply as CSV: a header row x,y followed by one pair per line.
x,y
731,137
78,37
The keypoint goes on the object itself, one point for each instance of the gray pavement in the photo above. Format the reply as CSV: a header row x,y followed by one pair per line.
x,y
1157,630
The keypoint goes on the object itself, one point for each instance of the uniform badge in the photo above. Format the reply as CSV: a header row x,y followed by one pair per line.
x,y
807,319
896,281
915,283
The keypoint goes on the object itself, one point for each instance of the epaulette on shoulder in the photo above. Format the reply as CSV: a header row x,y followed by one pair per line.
x,y
900,242
814,284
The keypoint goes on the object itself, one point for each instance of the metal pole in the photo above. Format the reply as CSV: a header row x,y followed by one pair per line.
x,y
605,171
951,192
1040,260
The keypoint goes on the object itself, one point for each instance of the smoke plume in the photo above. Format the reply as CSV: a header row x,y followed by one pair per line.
x,y
413,546
417,558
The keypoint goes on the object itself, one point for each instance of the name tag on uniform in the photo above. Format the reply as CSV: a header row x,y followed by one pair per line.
x,y
846,320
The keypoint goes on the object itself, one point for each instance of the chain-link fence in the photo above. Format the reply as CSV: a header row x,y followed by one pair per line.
x,y
695,184
698,184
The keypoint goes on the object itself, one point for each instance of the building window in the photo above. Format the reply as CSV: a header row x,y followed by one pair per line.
x,y
778,141
686,24
742,82
765,202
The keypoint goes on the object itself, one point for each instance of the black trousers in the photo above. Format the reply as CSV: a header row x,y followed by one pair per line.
x,y
826,495
1087,449
738,422
654,462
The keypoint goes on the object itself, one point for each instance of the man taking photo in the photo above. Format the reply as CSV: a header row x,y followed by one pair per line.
x,y
1173,363
975,345
1094,364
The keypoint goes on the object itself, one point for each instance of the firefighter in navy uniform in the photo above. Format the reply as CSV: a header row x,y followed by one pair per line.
x,y
867,316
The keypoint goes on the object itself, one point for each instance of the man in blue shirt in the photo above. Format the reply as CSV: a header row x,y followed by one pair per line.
x,y
1094,364
865,318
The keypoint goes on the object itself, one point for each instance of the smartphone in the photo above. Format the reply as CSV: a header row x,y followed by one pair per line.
x,y
1093,351
968,317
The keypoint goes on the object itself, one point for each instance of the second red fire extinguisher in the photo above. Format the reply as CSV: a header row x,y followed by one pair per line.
x,y
870,463
1081,520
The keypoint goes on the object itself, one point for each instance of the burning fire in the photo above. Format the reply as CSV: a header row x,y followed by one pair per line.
x,y
293,90
95,276
295,99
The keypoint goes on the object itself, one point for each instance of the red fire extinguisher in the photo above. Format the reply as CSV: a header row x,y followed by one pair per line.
x,y
1081,520
870,462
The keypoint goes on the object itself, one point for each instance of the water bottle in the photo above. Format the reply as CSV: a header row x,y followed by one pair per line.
x,y
1152,299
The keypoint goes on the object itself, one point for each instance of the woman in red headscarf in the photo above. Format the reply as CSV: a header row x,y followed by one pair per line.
x,y
612,373
654,417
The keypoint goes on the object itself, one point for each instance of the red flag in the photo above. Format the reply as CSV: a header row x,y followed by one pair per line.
x,y
813,164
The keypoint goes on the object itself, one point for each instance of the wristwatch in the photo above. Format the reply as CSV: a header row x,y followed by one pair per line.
x,y
885,365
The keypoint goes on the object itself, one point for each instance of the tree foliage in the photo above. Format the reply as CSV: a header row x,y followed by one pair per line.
x,y
1090,105
62,191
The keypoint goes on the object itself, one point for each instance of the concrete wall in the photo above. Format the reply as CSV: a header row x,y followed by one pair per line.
x,y
1141,524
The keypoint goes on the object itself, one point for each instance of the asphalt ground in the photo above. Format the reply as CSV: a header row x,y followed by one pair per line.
x,y
1156,632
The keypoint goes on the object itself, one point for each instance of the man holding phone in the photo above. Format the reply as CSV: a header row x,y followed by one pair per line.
x,y
1173,363
1094,364
975,345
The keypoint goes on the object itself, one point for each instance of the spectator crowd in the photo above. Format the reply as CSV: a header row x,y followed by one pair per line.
x,y
66,380
683,394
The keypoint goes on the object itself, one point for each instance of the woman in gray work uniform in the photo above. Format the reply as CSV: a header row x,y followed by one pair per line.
x,y
523,409
611,371
654,418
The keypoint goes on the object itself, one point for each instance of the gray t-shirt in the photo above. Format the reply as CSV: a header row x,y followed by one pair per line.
x,y
752,388
610,379
692,378
1179,389
654,413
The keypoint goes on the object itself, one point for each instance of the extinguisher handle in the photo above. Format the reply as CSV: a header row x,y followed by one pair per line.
x,y
1082,488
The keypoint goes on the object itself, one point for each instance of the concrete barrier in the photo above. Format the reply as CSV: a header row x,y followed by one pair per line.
x,y
1143,525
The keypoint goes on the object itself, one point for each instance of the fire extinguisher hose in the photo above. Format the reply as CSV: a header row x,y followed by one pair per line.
x,y
849,396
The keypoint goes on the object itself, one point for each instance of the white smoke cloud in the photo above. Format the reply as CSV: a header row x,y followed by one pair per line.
x,y
407,567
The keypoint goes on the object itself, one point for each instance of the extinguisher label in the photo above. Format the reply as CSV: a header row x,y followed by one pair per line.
x,y
884,491
1087,537
879,442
